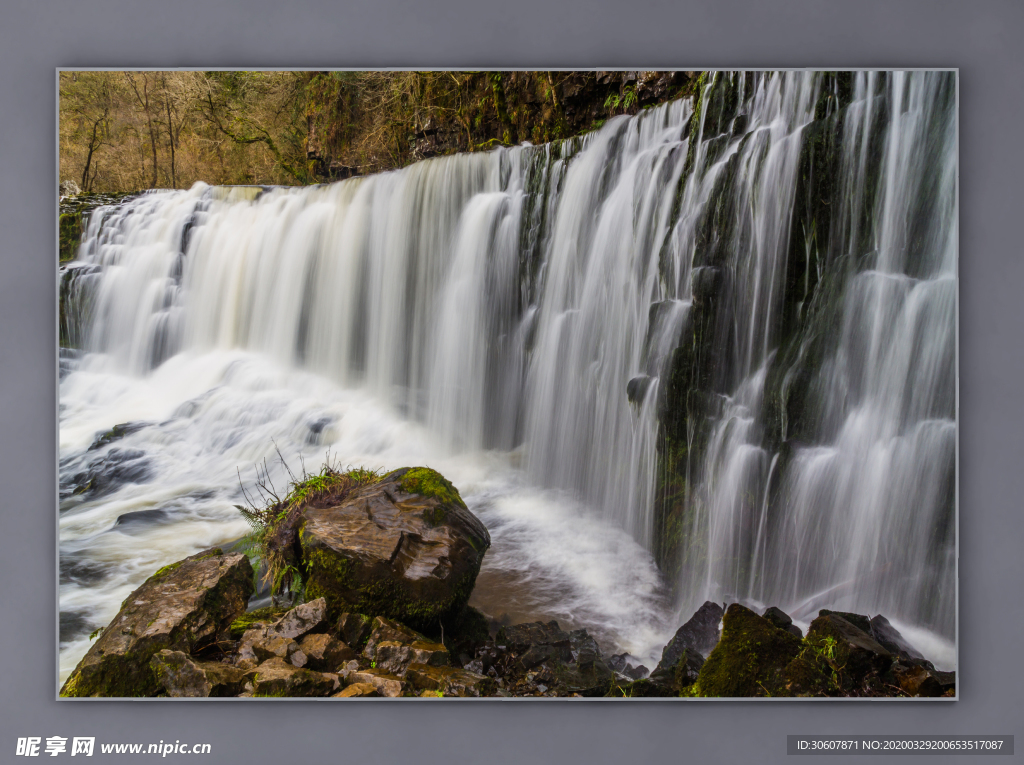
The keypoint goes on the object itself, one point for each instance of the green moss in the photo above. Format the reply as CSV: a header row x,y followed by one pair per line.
x,y
70,235
73,686
250,619
430,483
749,658
331,577
162,572
112,677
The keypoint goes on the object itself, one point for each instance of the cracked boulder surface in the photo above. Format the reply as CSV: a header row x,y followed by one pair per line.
x,y
405,547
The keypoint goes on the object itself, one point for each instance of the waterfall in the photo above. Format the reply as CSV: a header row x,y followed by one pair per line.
x,y
850,506
516,319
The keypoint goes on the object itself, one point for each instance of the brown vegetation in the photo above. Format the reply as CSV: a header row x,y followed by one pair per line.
x,y
125,131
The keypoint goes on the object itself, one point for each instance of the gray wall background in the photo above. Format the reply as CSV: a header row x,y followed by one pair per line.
x,y
982,38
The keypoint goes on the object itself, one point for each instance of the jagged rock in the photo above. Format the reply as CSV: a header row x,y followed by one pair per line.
x,y
698,636
396,657
357,690
270,647
301,620
589,674
325,653
449,681
69,189
354,629
621,663
782,620
385,683
276,677
856,651
682,674
405,547
891,640
182,607
859,621
180,675
386,630
749,658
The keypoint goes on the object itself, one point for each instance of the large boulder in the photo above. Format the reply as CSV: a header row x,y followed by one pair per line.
x,y
405,547
182,607
856,653
749,658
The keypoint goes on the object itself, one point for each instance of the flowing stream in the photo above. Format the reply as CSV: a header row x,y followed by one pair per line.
x,y
507,318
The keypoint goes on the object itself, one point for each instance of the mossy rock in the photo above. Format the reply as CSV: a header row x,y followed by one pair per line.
x,y
182,607
749,658
853,654
70,235
405,547
251,619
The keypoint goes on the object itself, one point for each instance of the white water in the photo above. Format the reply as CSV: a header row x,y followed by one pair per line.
x,y
863,520
480,314
386,320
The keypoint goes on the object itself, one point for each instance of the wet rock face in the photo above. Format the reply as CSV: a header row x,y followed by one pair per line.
x,y
406,548
699,635
182,607
891,640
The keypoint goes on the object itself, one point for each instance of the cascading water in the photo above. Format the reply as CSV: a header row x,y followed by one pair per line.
x,y
839,491
510,319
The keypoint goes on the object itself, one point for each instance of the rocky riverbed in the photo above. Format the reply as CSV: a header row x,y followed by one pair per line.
x,y
389,564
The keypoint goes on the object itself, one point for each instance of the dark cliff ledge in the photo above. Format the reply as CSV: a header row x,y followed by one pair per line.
x,y
364,122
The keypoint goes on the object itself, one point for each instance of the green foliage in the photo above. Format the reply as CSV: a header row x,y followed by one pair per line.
x,y
430,483
274,521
